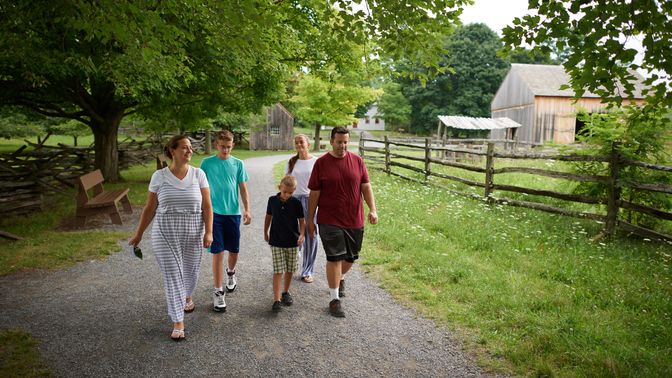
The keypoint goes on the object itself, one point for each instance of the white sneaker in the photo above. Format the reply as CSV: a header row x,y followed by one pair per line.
x,y
219,304
230,280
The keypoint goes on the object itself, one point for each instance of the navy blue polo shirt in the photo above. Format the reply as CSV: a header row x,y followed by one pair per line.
x,y
284,231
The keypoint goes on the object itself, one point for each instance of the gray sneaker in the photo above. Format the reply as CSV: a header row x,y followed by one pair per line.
x,y
276,307
335,308
219,304
230,280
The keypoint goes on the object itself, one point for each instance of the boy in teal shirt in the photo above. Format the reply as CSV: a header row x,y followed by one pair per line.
x,y
228,179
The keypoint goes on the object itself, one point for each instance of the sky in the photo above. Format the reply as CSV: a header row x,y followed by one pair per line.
x,y
494,13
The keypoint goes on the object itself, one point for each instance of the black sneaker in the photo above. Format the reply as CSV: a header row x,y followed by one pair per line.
x,y
287,299
276,307
335,309
341,289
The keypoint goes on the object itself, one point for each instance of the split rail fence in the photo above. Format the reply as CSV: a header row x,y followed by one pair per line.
x,y
28,174
424,157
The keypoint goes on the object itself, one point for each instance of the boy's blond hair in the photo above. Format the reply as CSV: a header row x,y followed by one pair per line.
x,y
288,181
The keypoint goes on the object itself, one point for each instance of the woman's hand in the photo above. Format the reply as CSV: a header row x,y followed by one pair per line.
x,y
207,239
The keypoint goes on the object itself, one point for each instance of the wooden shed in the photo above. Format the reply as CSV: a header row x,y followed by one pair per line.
x,y
530,95
277,133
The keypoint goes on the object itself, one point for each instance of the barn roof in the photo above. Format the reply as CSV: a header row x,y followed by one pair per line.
x,y
545,80
477,123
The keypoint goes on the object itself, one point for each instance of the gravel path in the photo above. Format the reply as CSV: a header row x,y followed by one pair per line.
x,y
108,318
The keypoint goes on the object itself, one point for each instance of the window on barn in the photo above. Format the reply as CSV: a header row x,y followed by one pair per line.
x,y
275,129
377,120
366,119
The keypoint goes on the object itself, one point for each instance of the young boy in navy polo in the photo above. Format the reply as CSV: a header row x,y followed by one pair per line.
x,y
284,217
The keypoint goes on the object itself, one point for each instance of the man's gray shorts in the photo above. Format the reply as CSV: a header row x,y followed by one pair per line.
x,y
341,243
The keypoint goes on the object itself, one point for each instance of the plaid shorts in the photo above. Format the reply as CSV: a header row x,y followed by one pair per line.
x,y
284,259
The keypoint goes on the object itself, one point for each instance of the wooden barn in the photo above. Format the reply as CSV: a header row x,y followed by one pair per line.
x,y
277,133
530,95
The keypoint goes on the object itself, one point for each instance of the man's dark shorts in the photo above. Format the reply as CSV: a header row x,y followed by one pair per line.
x,y
225,233
341,243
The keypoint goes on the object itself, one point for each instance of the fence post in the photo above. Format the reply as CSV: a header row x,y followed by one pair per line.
x,y
361,145
387,155
428,155
489,163
613,190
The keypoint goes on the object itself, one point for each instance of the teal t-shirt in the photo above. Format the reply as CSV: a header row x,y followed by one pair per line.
x,y
224,177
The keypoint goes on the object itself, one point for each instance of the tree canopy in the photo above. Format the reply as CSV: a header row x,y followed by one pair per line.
x,y
476,71
99,62
332,101
598,59
394,107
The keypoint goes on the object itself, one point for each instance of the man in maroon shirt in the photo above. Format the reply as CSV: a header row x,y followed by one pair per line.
x,y
338,184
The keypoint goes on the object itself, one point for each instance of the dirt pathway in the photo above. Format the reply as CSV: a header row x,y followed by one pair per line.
x,y
108,318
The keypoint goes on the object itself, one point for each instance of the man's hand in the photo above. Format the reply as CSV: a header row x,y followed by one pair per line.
x,y
373,217
247,217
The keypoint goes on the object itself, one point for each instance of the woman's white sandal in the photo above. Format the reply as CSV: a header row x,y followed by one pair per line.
x,y
177,335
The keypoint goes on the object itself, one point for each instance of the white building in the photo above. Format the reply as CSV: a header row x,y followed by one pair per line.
x,y
371,120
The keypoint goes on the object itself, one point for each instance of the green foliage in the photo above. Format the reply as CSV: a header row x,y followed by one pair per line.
x,y
525,56
331,101
636,135
189,60
476,73
528,292
598,60
393,107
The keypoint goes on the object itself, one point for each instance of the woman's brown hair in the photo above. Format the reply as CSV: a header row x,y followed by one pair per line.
x,y
172,144
293,159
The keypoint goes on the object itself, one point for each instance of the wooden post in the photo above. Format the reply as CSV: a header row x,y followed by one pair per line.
x,y
208,142
489,168
613,190
387,155
428,155
361,145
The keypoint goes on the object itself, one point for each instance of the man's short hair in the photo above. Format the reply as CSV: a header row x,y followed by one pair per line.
x,y
338,130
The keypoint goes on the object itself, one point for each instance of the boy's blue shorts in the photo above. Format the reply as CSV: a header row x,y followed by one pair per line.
x,y
225,233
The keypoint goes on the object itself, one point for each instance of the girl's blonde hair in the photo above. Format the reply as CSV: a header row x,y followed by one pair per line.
x,y
293,159
288,181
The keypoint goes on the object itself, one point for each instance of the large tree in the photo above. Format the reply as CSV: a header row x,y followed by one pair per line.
x,y
99,61
474,72
330,101
394,107
599,59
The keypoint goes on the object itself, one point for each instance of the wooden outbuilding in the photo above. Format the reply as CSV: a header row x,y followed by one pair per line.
x,y
531,95
277,133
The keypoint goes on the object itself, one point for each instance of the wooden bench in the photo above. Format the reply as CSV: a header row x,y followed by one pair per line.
x,y
101,201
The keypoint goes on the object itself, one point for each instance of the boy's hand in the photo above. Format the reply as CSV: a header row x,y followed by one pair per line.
x,y
247,217
300,241
266,236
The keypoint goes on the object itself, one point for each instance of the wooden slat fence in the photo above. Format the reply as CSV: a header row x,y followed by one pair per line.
x,y
422,156
27,175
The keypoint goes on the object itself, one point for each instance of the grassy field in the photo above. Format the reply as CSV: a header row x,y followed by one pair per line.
x,y
530,293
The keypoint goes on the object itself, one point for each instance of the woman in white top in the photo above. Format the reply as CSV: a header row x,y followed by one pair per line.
x,y
300,166
179,203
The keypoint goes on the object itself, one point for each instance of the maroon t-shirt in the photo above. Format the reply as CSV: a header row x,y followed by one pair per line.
x,y
339,182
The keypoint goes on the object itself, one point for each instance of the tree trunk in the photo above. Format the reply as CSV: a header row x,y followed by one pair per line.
x,y
105,146
316,146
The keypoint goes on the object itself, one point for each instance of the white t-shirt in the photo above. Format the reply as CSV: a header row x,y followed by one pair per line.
x,y
178,196
302,170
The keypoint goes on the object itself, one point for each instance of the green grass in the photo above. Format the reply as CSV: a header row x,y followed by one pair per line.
x,y
19,356
529,292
